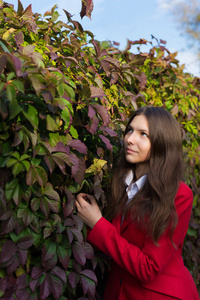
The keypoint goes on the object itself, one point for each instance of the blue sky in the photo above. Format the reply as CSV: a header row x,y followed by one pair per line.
x,y
117,20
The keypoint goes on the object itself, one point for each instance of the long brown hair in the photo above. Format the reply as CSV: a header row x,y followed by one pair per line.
x,y
153,206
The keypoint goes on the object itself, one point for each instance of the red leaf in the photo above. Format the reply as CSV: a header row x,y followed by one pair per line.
x,y
87,8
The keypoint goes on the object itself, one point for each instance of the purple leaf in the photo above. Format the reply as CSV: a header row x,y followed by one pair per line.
x,y
77,234
3,284
3,61
112,61
78,221
60,147
79,253
69,206
106,141
91,112
45,288
36,272
87,8
63,256
25,242
8,251
96,92
88,286
59,273
96,45
74,279
50,163
57,287
9,225
79,177
102,111
34,284
22,256
78,145
90,274
93,126
24,294
21,282
13,266
48,250
106,66
108,130
75,162
89,252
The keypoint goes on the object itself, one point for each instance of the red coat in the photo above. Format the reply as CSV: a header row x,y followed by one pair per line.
x,y
140,270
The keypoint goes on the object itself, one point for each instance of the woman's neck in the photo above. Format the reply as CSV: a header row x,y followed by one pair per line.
x,y
141,169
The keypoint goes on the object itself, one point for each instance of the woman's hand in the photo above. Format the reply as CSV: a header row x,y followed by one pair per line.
x,y
88,209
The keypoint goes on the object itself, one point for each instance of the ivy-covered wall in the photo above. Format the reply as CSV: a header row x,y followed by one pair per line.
x,y
64,101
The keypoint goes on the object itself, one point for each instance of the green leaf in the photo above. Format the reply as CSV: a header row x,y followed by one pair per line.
x,y
11,93
17,168
51,124
19,85
10,76
14,109
73,132
31,115
65,115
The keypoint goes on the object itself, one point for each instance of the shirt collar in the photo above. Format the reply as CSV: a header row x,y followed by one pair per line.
x,y
140,182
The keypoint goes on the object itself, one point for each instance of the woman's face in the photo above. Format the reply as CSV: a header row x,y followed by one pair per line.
x,y
137,145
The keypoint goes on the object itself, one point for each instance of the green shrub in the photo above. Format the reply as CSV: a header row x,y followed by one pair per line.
x,y
64,100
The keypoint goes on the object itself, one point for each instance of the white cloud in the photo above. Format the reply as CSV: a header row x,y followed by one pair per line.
x,y
167,5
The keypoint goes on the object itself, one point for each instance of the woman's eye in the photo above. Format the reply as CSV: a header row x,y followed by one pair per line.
x,y
144,134
129,130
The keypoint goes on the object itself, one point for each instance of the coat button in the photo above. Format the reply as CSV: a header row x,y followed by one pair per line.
x,y
121,280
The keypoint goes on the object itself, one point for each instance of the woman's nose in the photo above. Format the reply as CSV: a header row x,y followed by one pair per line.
x,y
131,138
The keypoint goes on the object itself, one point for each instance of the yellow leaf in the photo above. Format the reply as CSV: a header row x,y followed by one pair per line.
x,y
97,166
20,271
8,33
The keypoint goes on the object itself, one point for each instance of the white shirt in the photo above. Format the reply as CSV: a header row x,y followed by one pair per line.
x,y
133,187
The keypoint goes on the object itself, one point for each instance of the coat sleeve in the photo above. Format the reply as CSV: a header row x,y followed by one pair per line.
x,y
145,263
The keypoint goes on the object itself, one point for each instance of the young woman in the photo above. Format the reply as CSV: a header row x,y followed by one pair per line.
x,y
148,213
